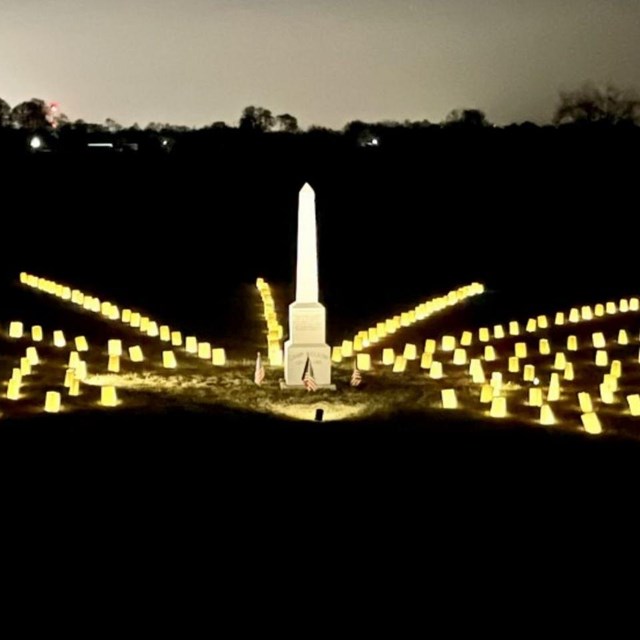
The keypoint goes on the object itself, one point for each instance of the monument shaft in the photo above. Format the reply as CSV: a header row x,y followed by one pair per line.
x,y
307,317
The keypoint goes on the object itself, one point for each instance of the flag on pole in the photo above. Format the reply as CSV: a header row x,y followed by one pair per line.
x,y
258,376
356,376
307,376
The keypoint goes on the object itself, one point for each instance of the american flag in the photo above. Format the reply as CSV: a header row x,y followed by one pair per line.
x,y
307,377
258,377
356,376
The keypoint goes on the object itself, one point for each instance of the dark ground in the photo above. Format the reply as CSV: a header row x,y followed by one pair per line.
x,y
544,226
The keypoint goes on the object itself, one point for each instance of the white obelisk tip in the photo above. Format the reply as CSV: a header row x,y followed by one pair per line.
x,y
307,271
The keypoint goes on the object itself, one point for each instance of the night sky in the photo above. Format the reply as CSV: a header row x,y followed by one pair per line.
x,y
325,61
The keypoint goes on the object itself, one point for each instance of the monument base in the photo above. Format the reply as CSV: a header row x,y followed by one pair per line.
x,y
295,361
300,387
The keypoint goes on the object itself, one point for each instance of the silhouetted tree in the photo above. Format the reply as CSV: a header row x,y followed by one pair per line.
x,y
5,113
31,114
288,123
467,118
112,125
592,103
257,119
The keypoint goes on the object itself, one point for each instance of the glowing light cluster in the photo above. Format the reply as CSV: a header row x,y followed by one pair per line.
x,y
367,337
560,389
275,331
133,319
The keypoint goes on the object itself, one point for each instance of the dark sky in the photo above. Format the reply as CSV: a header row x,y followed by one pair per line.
x,y
325,61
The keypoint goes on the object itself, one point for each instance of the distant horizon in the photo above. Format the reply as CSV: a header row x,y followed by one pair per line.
x,y
194,62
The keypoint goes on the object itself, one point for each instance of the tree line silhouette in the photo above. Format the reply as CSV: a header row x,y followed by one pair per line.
x,y
589,104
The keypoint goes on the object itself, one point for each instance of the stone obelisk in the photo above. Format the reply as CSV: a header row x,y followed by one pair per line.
x,y
307,317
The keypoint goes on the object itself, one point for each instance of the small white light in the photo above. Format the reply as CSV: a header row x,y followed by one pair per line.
x,y
35,142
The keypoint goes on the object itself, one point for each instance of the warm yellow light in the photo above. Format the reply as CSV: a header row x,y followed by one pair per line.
x,y
59,339
426,360
16,374
599,310
16,329
135,354
483,336
634,404
521,350
498,407
634,304
390,326
460,357
514,328
363,361
399,365
624,305
336,354
382,330
569,373
176,338
532,325
126,316
616,368
373,335
496,380
25,367
276,357
606,394
584,400
357,343
204,350
543,323
449,400
623,338
610,308
36,333
114,347
81,370
191,344
490,353
105,308
13,389
486,394
108,396
529,373
535,397
602,358
466,339
560,361
169,360
435,372
591,423
135,319
52,402
165,333
430,346
152,329
572,343
553,392
24,277
219,357
598,340
476,370
448,343
559,319
574,315
611,382
32,356
114,364
347,348
69,377
544,347
81,343
586,313
388,356
498,332
546,415
514,364
410,351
